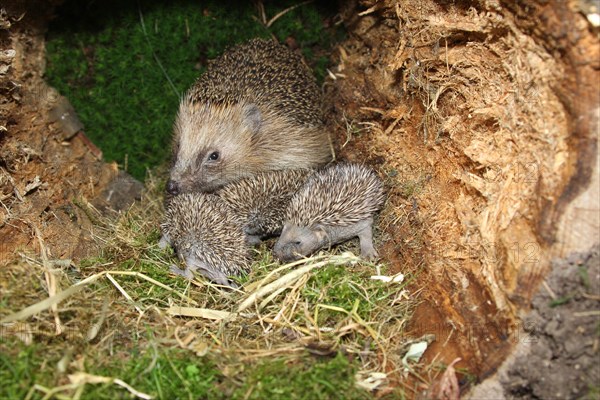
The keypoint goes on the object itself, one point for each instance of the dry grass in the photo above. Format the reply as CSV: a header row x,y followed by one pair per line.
x,y
324,305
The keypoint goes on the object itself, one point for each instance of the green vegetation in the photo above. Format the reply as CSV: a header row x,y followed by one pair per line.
x,y
340,287
125,64
561,300
584,275
325,378
593,392
174,374
306,340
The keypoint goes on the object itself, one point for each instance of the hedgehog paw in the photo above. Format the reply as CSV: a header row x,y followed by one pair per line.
x,y
253,240
365,235
369,253
208,271
164,242
186,273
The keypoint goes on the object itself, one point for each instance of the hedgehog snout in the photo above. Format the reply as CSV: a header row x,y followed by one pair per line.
x,y
172,187
287,251
291,244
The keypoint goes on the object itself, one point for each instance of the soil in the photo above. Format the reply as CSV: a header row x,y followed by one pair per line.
x,y
557,351
563,360
49,177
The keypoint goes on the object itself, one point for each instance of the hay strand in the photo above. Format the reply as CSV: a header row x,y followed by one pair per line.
x,y
60,296
287,279
50,301
195,312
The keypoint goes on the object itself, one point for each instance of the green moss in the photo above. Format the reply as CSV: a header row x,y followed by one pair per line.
x,y
162,373
172,373
313,379
19,371
124,64
137,349
339,286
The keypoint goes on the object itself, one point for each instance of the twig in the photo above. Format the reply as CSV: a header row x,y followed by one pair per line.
x,y
60,296
82,378
154,282
282,13
154,53
549,290
50,301
595,313
123,292
200,312
50,278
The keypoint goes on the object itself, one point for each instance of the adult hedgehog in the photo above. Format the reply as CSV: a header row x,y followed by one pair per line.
x,y
256,108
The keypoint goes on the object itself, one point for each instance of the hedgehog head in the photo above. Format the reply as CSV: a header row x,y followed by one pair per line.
x,y
207,269
211,142
296,241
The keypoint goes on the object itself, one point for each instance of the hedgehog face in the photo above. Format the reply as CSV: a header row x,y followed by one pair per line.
x,y
211,143
296,242
211,272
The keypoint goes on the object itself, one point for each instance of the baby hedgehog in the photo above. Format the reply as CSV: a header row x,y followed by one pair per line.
x,y
204,234
334,205
256,108
259,203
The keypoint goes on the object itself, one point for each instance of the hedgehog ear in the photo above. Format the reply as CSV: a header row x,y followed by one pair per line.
x,y
320,232
252,117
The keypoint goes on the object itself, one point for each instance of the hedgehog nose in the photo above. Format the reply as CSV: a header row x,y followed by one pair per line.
x,y
172,187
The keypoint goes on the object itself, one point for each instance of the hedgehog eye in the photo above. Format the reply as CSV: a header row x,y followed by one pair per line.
x,y
214,156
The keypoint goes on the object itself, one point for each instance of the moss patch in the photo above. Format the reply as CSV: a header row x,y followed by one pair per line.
x,y
172,373
325,378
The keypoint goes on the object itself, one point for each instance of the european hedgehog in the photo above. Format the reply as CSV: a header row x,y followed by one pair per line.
x,y
256,108
334,205
204,234
259,202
